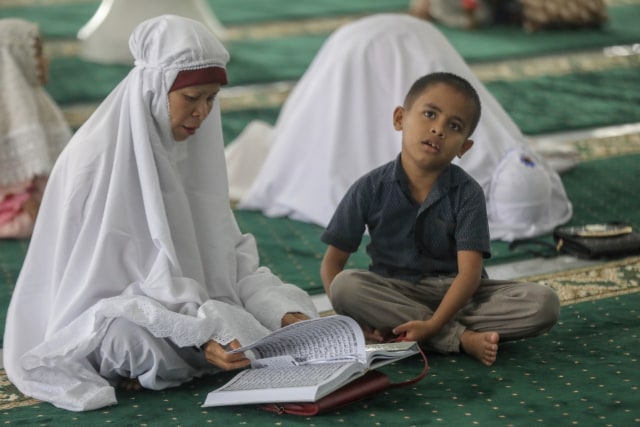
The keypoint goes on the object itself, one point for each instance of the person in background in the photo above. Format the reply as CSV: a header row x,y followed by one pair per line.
x,y
531,15
427,223
138,275
32,128
329,133
467,14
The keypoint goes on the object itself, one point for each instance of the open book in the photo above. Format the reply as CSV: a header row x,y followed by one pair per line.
x,y
306,361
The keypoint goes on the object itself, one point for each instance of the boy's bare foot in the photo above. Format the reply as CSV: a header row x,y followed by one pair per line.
x,y
130,384
481,345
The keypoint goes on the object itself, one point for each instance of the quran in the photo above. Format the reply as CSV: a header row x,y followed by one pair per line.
x,y
306,361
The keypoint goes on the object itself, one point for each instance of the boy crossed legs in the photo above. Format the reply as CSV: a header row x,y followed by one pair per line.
x,y
500,310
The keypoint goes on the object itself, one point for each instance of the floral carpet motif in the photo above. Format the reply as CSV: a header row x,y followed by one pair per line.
x,y
10,397
607,280
591,283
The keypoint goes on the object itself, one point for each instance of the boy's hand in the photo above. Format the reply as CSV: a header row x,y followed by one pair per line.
x,y
417,330
218,355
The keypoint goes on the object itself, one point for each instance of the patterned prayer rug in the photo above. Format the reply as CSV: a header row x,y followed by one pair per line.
x,y
605,281
583,372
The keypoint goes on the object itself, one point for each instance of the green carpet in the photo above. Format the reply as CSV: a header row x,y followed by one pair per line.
x,y
64,20
12,254
601,191
584,372
538,105
500,41
605,190
571,102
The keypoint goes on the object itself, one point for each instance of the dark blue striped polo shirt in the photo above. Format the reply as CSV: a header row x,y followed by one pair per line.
x,y
410,241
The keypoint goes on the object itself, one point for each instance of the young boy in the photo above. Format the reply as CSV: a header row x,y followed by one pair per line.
x,y
428,230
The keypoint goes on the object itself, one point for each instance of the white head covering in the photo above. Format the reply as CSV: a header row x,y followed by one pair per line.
x,y
138,226
520,194
32,128
337,123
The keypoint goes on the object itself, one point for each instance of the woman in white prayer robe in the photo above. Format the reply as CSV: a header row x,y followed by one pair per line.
x,y
336,125
138,270
32,128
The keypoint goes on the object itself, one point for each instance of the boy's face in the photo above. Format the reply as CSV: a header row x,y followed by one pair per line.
x,y
435,128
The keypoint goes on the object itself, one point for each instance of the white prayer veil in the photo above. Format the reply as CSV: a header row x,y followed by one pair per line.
x,y
336,125
520,194
32,128
138,226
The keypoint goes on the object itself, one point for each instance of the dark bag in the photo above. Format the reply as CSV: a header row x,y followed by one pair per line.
x,y
611,240
593,241
371,383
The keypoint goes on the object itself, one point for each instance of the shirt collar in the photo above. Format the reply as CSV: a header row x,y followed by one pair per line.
x,y
452,176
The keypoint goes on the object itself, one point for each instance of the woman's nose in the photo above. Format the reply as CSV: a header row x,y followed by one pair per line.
x,y
201,110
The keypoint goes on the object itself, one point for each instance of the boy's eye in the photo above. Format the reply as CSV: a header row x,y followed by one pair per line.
x,y
456,127
429,114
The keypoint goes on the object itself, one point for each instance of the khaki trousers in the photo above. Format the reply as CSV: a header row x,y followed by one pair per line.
x,y
512,309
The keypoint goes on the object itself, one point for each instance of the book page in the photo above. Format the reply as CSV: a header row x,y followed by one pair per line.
x,y
327,338
306,383
272,378
305,361
381,354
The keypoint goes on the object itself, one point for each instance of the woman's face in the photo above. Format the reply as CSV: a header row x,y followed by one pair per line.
x,y
43,63
189,106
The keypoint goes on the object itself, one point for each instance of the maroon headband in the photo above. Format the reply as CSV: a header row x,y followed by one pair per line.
x,y
199,76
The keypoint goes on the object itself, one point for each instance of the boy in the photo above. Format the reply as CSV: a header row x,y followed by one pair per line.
x,y
428,230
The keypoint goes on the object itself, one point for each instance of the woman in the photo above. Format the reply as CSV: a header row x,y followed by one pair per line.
x,y
336,125
32,129
138,273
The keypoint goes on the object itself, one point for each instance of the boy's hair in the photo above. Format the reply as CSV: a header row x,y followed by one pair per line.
x,y
453,80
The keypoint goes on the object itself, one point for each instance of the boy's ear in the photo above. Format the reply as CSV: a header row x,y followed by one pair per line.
x,y
398,114
466,146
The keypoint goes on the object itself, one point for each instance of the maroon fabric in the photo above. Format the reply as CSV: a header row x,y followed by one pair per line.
x,y
371,383
199,76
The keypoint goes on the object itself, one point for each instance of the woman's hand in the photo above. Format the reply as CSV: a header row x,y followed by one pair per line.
x,y
219,355
290,318
374,336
